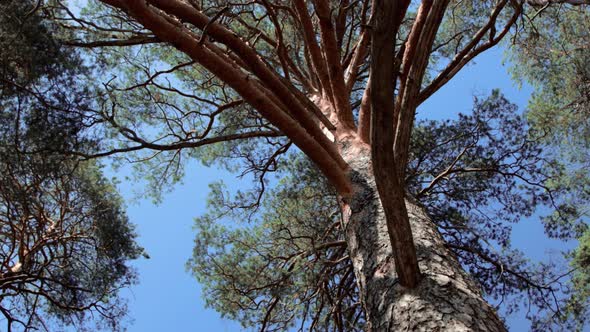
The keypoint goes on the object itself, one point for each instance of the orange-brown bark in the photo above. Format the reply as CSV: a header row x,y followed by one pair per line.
x,y
333,168
303,114
416,67
331,54
187,13
386,23
313,48
364,129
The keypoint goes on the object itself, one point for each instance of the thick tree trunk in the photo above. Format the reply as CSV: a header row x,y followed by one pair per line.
x,y
446,299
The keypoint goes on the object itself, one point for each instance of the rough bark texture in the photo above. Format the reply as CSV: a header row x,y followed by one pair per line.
x,y
446,299
384,129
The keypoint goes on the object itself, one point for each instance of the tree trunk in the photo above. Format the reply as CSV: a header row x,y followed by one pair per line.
x,y
447,299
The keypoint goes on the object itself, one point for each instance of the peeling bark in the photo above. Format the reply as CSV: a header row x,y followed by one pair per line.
x,y
446,299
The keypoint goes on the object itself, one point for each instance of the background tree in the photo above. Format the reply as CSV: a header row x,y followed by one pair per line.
x,y
553,55
264,69
65,241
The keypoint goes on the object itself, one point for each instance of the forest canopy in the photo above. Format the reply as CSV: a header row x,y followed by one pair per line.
x,y
316,102
65,240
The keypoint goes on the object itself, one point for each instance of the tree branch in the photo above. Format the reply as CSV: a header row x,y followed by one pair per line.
x,y
271,80
427,26
386,22
470,51
315,53
332,58
310,139
113,42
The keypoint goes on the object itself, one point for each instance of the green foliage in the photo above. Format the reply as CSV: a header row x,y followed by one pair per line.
x,y
551,53
28,50
476,176
158,106
580,300
289,269
65,241
485,172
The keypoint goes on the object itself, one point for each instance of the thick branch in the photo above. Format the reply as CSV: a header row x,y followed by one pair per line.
x,y
386,22
359,56
364,130
330,163
334,64
361,51
315,53
419,50
247,54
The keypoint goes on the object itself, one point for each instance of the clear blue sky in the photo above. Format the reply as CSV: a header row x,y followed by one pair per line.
x,y
169,299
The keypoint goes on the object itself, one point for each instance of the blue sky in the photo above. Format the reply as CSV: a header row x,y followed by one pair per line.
x,y
169,299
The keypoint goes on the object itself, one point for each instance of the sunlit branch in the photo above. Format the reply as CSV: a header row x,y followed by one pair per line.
x,y
364,127
271,80
310,139
331,54
470,51
315,53
416,66
360,51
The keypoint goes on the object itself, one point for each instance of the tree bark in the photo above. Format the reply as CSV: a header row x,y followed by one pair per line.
x,y
446,299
